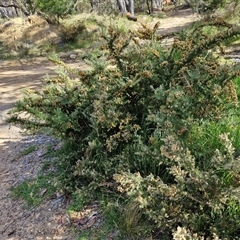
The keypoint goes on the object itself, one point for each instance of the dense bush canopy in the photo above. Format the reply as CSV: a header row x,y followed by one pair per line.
x,y
136,121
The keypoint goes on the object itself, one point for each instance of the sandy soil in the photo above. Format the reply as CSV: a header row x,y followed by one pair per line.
x,y
15,76
49,220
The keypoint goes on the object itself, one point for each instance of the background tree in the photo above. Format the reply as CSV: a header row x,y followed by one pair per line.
x,y
60,8
14,8
54,9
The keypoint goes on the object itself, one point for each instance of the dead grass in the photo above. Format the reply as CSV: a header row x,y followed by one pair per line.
x,y
27,32
34,36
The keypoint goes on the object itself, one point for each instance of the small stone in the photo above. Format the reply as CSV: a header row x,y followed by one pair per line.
x,y
73,56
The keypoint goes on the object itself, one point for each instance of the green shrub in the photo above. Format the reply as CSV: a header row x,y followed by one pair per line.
x,y
133,115
70,33
54,9
198,200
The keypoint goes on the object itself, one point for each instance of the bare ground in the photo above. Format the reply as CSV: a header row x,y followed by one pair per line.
x,y
49,220
17,221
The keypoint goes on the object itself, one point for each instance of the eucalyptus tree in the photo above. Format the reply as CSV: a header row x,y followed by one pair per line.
x,y
126,6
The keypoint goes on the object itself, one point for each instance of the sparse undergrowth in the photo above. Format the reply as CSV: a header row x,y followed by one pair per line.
x,y
35,191
77,32
152,130
53,39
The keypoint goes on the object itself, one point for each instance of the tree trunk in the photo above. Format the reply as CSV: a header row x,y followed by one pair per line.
x,y
150,10
122,6
130,7
157,4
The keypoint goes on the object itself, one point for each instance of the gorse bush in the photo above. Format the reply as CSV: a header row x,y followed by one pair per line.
x,y
71,32
135,117
199,200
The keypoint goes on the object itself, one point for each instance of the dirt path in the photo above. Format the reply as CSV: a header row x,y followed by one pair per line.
x,y
49,220
15,76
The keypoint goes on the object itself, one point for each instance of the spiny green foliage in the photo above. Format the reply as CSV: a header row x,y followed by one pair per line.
x,y
132,117
201,200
